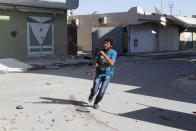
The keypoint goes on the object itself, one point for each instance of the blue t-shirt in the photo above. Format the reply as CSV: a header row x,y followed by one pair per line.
x,y
104,68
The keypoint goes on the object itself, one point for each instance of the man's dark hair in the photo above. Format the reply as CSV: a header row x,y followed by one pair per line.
x,y
109,39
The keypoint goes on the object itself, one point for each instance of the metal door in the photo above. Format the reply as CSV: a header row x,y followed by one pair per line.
x,y
40,41
141,38
72,39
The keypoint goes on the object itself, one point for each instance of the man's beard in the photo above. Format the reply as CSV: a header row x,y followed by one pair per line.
x,y
107,49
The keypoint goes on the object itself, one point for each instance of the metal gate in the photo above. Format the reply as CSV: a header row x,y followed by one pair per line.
x,y
40,41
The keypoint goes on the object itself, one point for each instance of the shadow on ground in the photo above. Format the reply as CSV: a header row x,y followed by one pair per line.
x,y
163,117
48,100
154,78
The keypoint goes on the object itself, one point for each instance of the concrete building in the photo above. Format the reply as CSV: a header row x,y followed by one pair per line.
x,y
134,31
34,28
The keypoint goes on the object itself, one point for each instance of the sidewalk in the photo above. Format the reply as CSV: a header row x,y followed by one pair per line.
x,y
14,65
136,99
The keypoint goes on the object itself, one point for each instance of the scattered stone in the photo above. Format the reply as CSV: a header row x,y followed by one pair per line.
x,y
52,67
53,120
20,107
12,122
13,128
159,109
107,122
4,129
69,120
166,118
85,125
48,84
192,77
83,110
3,118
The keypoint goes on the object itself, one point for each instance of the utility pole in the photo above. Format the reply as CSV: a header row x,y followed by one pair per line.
x,y
161,6
171,6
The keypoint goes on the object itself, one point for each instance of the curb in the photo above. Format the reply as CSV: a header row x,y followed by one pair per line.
x,y
56,65
166,55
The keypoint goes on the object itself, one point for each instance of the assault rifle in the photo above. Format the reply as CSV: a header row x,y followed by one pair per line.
x,y
97,57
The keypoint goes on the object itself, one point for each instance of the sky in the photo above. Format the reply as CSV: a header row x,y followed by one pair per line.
x,y
181,7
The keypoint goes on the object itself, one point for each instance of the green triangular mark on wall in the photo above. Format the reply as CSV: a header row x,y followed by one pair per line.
x,y
50,21
48,38
33,40
32,20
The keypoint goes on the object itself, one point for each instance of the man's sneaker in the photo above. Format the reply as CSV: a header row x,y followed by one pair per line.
x,y
96,106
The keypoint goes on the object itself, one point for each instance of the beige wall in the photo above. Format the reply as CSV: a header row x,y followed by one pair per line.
x,y
134,16
87,22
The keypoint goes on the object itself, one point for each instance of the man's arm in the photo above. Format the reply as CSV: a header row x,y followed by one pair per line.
x,y
109,61
96,65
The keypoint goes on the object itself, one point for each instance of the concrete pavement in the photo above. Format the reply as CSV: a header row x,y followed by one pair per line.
x,y
186,84
140,97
